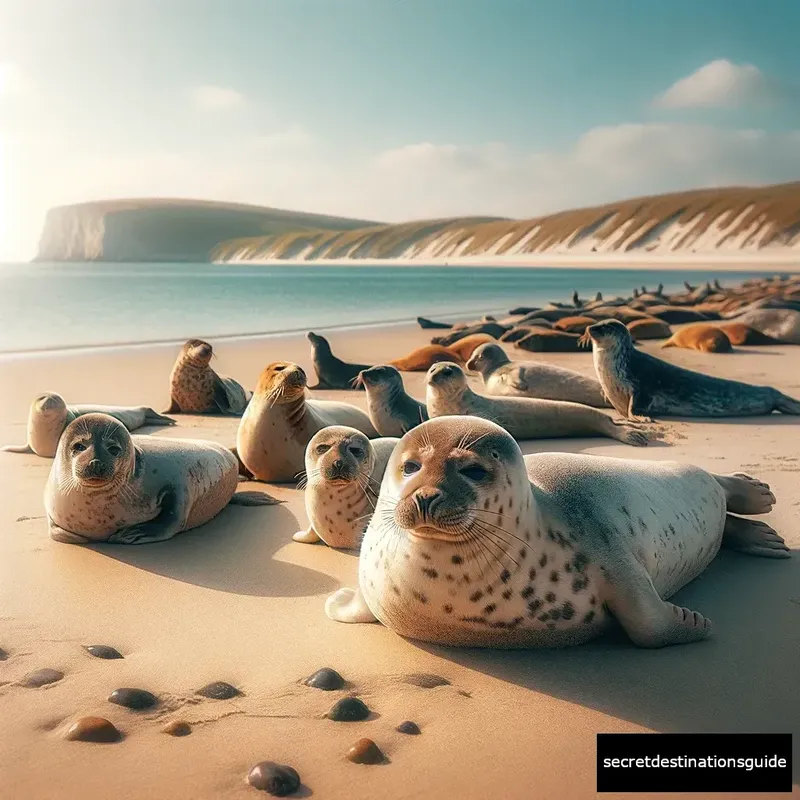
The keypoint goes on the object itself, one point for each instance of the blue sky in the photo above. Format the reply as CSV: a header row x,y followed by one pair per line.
x,y
390,109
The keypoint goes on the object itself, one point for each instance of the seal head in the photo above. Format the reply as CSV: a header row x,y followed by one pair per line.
x,y
339,455
282,382
97,452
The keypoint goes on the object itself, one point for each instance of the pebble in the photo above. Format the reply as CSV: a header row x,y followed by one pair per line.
x,y
219,690
93,729
365,751
135,699
409,727
426,680
177,728
102,651
348,709
326,679
41,677
277,779
3,654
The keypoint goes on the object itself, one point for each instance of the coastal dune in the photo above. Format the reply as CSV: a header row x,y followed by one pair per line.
x,y
239,601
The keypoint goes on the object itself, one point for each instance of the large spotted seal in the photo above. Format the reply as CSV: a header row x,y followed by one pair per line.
x,y
49,415
196,389
344,471
523,417
332,372
503,377
280,421
638,384
391,409
108,486
473,545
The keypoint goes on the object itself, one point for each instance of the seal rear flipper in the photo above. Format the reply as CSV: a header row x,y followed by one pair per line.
x,y
243,471
786,404
254,499
169,522
229,396
348,605
16,448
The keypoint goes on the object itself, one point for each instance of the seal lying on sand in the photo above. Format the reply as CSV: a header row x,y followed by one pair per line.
x,y
638,384
541,340
280,421
740,334
108,486
523,417
491,328
196,389
473,545
700,336
332,372
344,471
423,358
503,377
780,324
648,329
391,410
49,416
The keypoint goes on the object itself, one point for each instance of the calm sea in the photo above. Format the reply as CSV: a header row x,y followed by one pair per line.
x,y
57,306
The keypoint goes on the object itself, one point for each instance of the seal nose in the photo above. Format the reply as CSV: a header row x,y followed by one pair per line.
x,y
338,464
427,500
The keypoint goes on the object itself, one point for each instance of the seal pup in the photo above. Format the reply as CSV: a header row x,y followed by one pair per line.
x,y
523,417
280,421
503,377
108,486
391,410
332,372
473,545
701,336
49,415
196,389
344,471
639,384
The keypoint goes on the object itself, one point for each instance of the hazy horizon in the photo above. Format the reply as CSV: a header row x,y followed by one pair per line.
x,y
389,110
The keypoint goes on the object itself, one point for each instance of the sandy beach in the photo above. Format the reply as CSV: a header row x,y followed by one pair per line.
x,y
239,601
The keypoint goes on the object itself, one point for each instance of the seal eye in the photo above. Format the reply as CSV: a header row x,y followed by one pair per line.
x,y
357,452
410,467
475,472
322,449
114,449
78,447
279,369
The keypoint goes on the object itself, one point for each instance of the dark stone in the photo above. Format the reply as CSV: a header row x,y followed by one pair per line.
x,y
93,729
135,699
426,680
219,690
177,728
348,709
41,677
277,779
409,727
102,651
3,654
326,679
365,751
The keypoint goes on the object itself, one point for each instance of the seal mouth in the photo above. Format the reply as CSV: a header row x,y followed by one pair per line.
x,y
430,533
95,482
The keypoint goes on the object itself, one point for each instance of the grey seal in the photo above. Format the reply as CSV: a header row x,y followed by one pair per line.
x,y
391,410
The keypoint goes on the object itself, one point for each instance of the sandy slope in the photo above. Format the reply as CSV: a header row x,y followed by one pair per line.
x,y
239,601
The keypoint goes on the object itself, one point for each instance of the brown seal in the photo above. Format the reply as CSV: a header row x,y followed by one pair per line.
x,y
649,329
573,324
701,336
423,358
547,341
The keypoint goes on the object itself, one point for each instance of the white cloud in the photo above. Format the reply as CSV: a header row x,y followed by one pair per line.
x,y
211,98
722,84
12,81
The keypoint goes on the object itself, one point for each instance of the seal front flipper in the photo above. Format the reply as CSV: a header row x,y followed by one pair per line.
x,y
348,605
66,537
229,396
16,448
152,417
307,537
169,522
253,499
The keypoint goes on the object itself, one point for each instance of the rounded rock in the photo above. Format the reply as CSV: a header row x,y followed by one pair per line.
x,y
411,728
219,690
348,709
41,677
135,699
326,679
102,651
426,680
277,779
365,751
177,728
93,729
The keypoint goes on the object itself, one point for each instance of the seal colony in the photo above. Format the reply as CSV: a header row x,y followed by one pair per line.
x,y
472,544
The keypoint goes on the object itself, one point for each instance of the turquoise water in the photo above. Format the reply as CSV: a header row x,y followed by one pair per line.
x,y
56,306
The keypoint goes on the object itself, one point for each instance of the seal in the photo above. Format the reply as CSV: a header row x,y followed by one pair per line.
x,y
332,372
523,417
573,324
740,334
280,421
473,545
423,358
676,316
108,486
649,329
196,389
344,471
521,331
782,324
700,336
503,377
49,415
542,340
639,384
492,329
391,410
